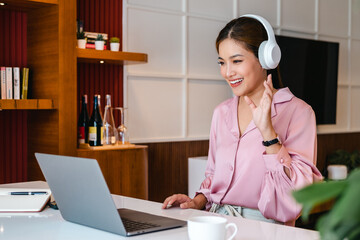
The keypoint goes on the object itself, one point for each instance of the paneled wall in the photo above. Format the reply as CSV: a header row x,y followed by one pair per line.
x,y
13,123
172,97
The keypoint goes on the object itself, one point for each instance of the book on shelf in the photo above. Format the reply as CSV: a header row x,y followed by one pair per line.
x,y
25,83
92,46
3,82
16,82
9,83
93,35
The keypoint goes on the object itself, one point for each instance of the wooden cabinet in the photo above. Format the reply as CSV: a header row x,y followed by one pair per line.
x,y
125,169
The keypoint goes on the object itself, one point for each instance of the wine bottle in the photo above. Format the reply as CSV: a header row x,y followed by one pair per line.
x,y
110,132
83,123
95,125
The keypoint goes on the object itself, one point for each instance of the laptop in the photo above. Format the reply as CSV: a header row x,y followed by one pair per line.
x,y
83,197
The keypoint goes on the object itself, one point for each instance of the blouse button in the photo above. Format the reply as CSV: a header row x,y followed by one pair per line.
x,y
282,160
231,168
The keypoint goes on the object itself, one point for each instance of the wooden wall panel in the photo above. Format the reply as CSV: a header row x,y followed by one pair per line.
x,y
13,124
168,166
102,17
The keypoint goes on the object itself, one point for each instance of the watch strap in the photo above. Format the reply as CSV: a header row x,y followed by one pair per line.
x,y
271,142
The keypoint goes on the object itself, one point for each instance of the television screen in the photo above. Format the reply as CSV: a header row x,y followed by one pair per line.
x,y
310,69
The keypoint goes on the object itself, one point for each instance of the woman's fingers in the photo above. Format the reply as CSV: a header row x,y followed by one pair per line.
x,y
175,199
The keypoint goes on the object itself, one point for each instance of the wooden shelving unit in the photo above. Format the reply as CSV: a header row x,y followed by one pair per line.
x,y
51,57
109,57
26,104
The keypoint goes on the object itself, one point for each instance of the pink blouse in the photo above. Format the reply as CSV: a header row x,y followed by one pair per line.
x,y
239,172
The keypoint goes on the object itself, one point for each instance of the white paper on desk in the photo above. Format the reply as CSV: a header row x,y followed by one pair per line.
x,y
23,203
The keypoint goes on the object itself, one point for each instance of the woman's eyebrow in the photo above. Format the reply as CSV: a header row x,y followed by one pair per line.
x,y
236,55
233,56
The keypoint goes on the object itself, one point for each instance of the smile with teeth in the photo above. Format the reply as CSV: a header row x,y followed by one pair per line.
x,y
236,81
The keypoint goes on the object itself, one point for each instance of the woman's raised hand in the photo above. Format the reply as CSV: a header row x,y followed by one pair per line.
x,y
262,113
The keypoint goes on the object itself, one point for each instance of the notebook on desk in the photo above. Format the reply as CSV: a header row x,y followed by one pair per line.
x,y
83,197
23,199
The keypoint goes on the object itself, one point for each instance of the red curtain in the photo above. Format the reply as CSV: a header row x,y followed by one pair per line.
x,y
13,123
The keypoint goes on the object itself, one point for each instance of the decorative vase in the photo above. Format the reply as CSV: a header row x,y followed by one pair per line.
x,y
81,43
99,45
114,47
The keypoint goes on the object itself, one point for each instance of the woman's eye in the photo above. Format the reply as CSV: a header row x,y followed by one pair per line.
x,y
220,63
237,61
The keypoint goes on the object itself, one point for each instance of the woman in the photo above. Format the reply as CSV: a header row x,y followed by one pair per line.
x,y
262,141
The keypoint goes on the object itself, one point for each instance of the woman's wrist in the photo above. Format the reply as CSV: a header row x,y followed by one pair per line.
x,y
268,134
200,201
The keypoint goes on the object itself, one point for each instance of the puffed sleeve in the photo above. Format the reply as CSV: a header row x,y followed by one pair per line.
x,y
209,172
298,154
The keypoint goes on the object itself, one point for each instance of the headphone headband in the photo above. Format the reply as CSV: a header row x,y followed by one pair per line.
x,y
269,51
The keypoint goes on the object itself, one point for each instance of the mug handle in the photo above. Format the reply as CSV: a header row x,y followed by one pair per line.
x,y
235,229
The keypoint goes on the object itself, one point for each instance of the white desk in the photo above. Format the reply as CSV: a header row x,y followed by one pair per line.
x,y
49,224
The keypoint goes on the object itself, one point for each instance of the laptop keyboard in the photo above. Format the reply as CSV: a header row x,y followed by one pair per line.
x,y
132,226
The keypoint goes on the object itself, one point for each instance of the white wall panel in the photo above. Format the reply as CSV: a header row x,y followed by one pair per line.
x,y
355,109
160,36
329,21
267,10
204,96
179,38
161,4
342,112
299,15
355,19
215,8
343,71
297,34
202,58
355,62
155,108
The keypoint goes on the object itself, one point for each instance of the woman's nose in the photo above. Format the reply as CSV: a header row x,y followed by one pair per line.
x,y
229,70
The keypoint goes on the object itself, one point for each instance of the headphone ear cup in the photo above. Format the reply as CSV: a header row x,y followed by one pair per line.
x,y
269,54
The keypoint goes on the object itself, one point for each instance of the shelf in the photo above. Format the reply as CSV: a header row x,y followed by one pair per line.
x,y
25,5
86,147
109,57
26,104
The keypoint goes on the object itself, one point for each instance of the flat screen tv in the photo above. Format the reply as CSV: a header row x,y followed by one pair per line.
x,y
310,69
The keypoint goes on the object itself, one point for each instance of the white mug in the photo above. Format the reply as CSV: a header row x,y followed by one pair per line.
x,y
209,228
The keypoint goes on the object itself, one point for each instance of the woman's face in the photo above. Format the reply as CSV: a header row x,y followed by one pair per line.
x,y
240,68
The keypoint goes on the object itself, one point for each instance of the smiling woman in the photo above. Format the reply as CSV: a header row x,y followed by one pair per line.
x,y
262,141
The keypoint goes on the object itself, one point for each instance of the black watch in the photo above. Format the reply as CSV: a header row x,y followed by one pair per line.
x,y
271,142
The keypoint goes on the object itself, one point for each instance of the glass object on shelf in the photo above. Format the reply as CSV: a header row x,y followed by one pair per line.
x,y
123,137
110,132
99,104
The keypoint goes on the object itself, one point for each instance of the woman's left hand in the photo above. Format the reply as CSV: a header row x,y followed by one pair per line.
x,y
262,113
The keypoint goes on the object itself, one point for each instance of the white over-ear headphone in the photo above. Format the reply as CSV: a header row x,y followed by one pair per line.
x,y
269,51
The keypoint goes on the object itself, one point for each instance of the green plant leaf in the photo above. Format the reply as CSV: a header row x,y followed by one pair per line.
x,y
317,193
344,218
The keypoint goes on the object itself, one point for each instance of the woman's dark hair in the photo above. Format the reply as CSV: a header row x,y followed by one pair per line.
x,y
247,31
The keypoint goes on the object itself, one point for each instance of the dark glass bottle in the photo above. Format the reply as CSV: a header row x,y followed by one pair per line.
x,y
83,123
95,125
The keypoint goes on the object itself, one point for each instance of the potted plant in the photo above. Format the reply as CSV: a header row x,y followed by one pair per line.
x,y
99,42
81,40
343,220
114,44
